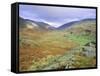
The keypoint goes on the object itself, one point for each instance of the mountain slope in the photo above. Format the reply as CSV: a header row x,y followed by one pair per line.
x,y
34,24
73,47
83,26
68,25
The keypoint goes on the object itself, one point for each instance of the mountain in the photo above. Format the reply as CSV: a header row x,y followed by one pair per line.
x,y
26,23
67,25
86,26
22,22
89,19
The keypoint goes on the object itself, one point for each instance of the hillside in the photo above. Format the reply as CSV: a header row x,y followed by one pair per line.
x,y
26,23
70,24
72,47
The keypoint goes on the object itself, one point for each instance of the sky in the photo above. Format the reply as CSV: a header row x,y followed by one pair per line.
x,y
55,16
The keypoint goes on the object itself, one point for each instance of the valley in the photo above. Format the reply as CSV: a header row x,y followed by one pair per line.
x,y
43,48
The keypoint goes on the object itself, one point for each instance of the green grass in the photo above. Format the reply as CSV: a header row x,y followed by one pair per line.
x,y
80,39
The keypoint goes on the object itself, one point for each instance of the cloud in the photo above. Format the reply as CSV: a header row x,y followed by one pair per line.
x,y
55,15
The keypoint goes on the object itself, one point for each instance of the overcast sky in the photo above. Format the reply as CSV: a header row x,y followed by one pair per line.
x,y
55,16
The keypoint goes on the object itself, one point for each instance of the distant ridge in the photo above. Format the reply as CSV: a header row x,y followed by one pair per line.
x,y
66,25
34,24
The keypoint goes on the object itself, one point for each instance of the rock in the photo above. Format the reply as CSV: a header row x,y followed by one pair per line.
x,y
89,52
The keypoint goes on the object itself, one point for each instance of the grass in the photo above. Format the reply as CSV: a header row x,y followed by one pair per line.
x,y
51,43
80,39
47,50
71,59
